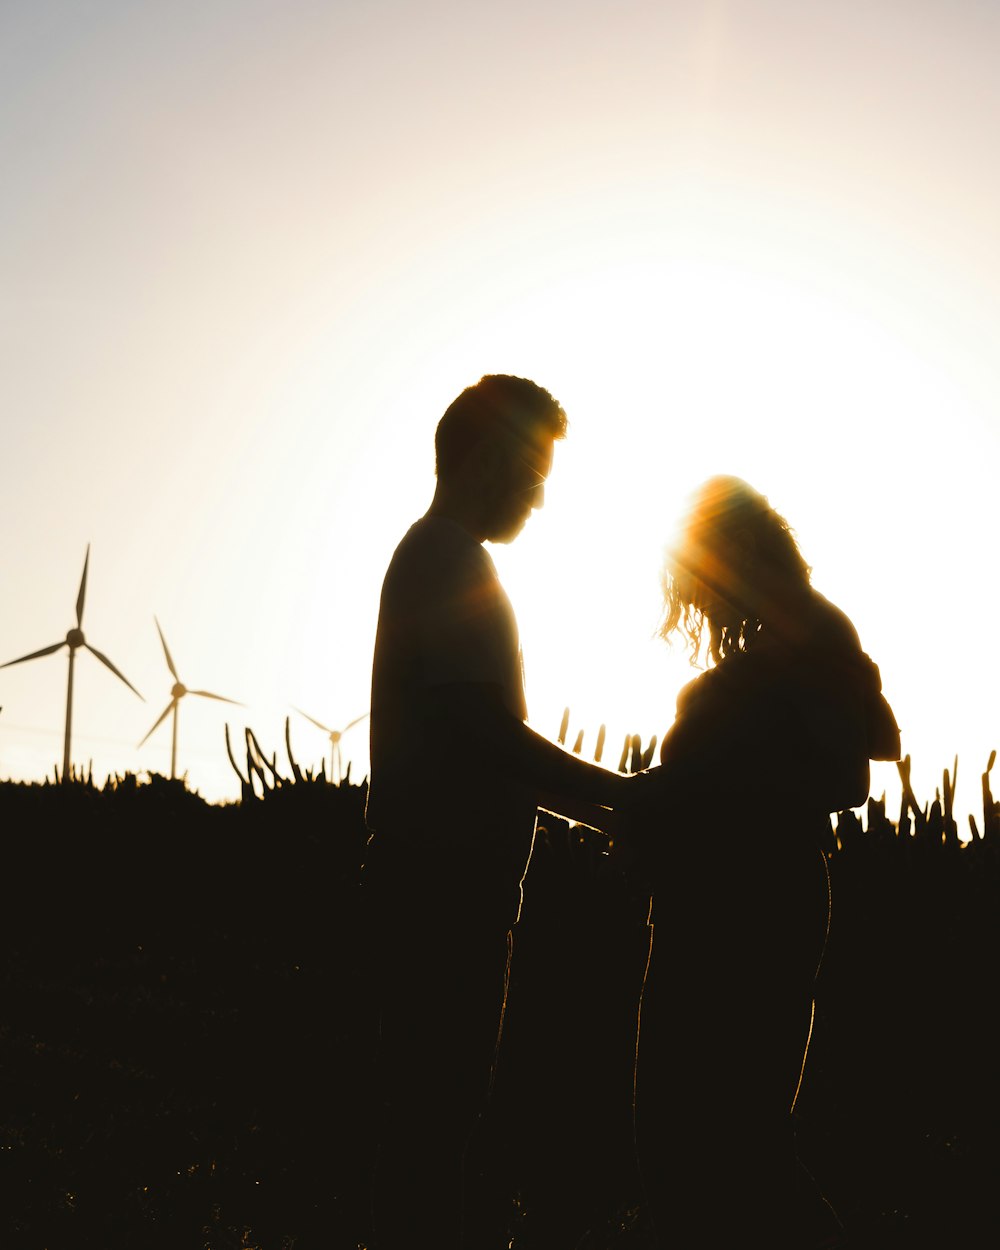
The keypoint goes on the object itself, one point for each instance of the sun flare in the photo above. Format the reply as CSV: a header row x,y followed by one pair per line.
x,y
728,372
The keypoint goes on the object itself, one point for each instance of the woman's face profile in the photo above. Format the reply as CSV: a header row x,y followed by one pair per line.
x,y
709,580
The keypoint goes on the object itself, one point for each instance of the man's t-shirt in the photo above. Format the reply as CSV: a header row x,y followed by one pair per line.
x,y
437,802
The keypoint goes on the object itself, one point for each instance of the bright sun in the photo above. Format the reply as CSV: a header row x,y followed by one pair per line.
x,y
712,370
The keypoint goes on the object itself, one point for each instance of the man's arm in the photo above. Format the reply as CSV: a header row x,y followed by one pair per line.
x,y
475,718
608,820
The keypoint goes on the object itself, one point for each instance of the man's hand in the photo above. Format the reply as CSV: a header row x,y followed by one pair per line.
x,y
636,818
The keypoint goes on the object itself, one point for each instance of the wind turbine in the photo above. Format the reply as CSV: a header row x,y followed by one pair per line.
x,y
74,640
178,691
335,736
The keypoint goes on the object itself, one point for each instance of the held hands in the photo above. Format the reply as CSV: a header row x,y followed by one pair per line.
x,y
619,833
633,818
626,813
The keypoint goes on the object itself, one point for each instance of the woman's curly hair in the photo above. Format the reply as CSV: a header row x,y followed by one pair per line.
x,y
721,512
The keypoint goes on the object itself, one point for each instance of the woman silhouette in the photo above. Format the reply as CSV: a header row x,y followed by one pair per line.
x,y
775,735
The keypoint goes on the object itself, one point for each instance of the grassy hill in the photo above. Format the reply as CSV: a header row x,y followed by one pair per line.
x,y
187,1038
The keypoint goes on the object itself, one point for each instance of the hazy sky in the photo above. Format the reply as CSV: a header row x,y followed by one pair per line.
x,y
250,251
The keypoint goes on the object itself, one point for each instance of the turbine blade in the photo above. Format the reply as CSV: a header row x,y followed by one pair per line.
x,y
83,590
313,721
166,652
160,719
205,694
104,660
357,721
35,654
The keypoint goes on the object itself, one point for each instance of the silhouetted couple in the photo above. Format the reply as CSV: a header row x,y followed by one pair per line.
x,y
775,735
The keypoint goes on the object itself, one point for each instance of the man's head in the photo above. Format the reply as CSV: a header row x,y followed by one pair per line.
x,y
494,449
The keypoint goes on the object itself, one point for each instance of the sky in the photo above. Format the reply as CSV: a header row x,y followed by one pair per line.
x,y
249,252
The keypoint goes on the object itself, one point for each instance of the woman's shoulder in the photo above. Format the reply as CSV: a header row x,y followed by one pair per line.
x,y
823,637
829,626
853,674
722,687
697,688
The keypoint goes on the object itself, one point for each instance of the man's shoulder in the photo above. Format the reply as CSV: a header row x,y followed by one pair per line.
x,y
437,537
435,551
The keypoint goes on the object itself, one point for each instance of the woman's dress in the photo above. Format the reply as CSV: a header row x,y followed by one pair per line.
x,y
764,747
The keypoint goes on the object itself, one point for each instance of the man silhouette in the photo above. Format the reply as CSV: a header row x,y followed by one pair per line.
x,y
456,778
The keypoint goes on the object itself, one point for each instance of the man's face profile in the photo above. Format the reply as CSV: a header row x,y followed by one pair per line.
x,y
519,487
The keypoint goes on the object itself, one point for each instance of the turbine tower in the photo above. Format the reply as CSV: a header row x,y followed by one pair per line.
x,y
74,640
335,736
177,693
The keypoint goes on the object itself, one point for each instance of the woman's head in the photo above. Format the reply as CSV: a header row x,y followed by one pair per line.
x,y
734,566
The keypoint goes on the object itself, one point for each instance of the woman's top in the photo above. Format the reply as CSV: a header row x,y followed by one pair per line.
x,y
765,745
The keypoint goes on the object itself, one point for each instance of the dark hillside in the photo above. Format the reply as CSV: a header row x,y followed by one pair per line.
x,y
187,1034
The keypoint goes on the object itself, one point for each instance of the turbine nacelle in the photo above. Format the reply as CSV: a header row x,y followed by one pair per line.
x,y
335,736
177,692
74,640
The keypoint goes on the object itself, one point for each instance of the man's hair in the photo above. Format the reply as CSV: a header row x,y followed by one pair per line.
x,y
501,409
